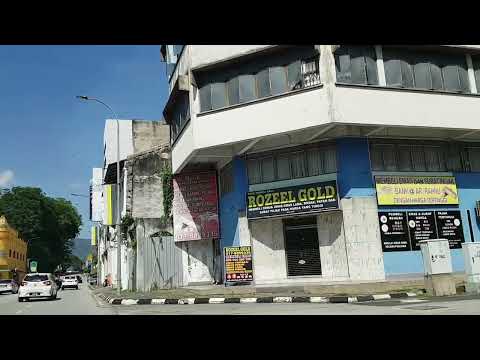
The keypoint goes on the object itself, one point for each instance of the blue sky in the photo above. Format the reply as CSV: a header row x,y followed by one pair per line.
x,y
51,140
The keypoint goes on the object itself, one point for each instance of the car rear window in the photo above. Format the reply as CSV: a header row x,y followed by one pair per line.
x,y
5,281
34,278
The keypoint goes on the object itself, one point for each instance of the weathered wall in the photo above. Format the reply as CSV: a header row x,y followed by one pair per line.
x,y
144,189
331,240
362,237
198,260
149,134
268,248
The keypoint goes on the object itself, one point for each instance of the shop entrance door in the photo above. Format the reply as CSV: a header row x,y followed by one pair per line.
x,y
301,247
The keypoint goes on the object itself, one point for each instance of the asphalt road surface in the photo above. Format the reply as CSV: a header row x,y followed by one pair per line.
x,y
68,302
82,302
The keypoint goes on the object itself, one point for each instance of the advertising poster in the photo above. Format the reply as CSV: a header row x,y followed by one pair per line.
x,y
449,226
238,264
416,190
195,206
302,199
421,226
394,231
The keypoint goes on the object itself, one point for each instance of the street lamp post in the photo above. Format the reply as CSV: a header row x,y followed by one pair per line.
x,y
119,256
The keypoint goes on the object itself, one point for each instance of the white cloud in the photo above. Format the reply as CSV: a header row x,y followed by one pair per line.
x,y
6,177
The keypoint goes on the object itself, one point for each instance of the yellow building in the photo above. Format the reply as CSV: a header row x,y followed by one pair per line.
x,y
13,252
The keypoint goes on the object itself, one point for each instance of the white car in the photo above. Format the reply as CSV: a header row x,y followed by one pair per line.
x,y
37,285
8,286
70,281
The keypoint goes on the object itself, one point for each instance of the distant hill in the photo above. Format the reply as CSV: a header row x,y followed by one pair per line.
x,y
81,248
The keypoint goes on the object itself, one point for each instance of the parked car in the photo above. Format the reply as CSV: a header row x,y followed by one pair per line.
x,y
37,285
8,286
69,281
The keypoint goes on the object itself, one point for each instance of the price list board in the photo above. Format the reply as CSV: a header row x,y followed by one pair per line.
x,y
394,231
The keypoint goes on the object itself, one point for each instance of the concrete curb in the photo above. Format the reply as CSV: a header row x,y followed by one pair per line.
x,y
258,300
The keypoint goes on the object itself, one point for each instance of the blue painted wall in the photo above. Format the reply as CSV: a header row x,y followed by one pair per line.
x,y
231,203
354,177
355,180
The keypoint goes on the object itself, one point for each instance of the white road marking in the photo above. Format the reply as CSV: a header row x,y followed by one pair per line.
x,y
412,300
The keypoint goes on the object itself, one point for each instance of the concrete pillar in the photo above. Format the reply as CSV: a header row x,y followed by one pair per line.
x,y
362,238
471,74
380,66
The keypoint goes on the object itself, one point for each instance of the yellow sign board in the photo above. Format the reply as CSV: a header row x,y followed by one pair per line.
x,y
416,190
94,235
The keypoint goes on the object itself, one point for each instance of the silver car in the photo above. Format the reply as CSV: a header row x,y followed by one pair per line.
x,y
8,286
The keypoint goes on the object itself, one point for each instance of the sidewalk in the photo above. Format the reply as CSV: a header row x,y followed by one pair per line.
x,y
393,287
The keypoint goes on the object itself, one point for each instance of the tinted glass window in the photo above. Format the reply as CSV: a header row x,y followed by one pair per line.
x,y
205,98
294,75
314,162
233,96
268,170
393,72
283,167
254,173
278,80
298,165
247,88
423,79
35,278
330,161
219,95
263,83
5,281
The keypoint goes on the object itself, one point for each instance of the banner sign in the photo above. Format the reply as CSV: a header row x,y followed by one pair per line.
x,y
195,206
33,266
449,226
94,236
300,199
238,264
421,225
416,190
394,231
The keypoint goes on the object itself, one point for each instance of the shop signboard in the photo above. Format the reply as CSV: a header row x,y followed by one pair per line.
x,y
292,200
33,266
416,190
394,231
449,226
195,206
421,226
238,264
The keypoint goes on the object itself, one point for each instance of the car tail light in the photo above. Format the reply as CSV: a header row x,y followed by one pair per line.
x,y
47,283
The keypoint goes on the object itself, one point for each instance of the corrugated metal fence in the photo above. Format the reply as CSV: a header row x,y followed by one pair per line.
x,y
159,259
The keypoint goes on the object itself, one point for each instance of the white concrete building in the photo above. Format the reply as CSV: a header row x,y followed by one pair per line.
x,y
136,136
270,119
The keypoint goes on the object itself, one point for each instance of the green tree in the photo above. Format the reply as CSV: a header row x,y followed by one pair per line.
x,y
48,225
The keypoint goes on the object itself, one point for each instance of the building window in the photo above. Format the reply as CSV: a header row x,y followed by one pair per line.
x,y
179,115
291,165
473,156
429,157
356,65
476,69
226,179
268,75
425,70
10,253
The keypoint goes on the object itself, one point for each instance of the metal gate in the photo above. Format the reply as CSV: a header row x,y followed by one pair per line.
x,y
302,248
159,260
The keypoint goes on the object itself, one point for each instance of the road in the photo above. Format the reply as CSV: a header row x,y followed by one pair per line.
x,y
68,302
81,302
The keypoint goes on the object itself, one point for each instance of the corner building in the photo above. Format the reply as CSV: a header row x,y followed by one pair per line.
x,y
332,161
